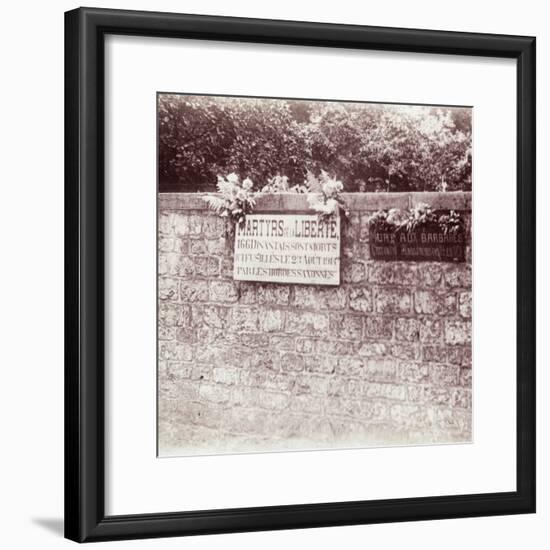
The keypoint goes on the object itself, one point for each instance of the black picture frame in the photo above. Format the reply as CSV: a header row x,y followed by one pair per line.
x,y
85,519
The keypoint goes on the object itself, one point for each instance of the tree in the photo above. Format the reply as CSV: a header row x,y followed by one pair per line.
x,y
370,147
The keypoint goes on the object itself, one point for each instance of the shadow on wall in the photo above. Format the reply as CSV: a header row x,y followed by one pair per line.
x,y
53,525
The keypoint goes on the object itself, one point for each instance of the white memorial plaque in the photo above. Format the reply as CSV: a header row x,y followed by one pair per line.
x,y
288,248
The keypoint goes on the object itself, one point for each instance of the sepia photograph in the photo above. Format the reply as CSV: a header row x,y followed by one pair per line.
x,y
314,266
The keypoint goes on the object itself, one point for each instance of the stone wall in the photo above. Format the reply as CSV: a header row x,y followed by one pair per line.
x,y
382,359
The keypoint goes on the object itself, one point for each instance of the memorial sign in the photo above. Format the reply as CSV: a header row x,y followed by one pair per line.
x,y
288,248
426,243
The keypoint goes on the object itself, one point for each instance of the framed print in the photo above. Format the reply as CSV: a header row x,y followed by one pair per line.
x,y
300,274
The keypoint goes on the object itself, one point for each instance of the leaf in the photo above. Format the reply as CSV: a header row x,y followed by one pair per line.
x,y
215,203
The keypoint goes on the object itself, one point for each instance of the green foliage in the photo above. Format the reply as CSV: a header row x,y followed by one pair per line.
x,y
201,137
370,147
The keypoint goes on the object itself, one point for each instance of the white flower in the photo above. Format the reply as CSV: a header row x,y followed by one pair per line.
x,y
328,188
332,187
233,178
247,184
393,214
225,188
332,206
313,198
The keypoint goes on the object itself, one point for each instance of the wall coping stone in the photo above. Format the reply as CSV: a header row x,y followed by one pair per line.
x,y
360,202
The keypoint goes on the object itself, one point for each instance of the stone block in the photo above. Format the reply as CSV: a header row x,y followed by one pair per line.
x,y
166,244
223,291
272,320
338,385
461,398
443,375
181,224
360,299
408,416
346,327
465,377
181,246
386,391
337,347
458,332
373,349
394,300
217,247
431,330
353,272
173,315
207,266
405,351
253,340
247,292
175,351
272,294
197,247
375,411
292,362
305,345
194,291
195,224
430,274
210,316
166,221
434,395
458,275
261,359
434,302
349,365
314,297
162,265
244,319
225,375
434,354
187,335
407,329
273,401
215,393
378,328
343,406
393,273
320,363
306,403
166,333
307,323
418,373
380,370
213,227
311,384
282,342
177,370
452,419
167,289
226,267
465,304
179,265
